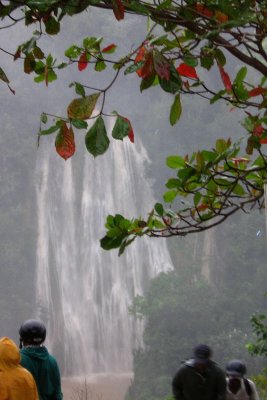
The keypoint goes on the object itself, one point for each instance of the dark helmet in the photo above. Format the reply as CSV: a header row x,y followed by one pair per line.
x,y
32,331
236,368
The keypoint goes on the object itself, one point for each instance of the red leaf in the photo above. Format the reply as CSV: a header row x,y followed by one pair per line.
x,y
186,70
82,63
65,144
131,133
148,68
263,141
257,91
118,9
226,79
109,48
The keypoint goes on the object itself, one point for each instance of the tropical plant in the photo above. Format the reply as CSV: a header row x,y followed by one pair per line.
x,y
187,41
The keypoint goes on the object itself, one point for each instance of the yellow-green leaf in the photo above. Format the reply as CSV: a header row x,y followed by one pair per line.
x,y
82,108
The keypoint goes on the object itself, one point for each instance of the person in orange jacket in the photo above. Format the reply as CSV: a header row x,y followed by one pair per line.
x,y
16,383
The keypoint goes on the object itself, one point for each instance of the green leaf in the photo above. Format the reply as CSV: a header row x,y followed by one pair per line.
x,y
191,61
148,82
239,190
96,139
240,76
175,162
221,146
217,96
79,89
52,26
50,130
109,243
176,110
159,209
79,123
100,66
121,128
73,52
197,198
173,183
220,57
170,196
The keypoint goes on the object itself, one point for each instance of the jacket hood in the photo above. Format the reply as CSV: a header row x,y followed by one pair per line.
x,y
9,354
39,352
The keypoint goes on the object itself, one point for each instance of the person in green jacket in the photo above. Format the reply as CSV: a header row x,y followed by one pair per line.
x,y
36,359
200,378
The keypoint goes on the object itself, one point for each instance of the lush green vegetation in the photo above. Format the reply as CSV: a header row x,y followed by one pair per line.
x,y
182,308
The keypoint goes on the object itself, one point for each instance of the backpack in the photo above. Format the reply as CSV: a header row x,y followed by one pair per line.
x,y
247,386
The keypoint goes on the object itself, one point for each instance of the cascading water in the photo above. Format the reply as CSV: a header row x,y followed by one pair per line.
x,y
83,292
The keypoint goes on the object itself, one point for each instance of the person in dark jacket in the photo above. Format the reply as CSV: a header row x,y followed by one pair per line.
x,y
200,378
36,359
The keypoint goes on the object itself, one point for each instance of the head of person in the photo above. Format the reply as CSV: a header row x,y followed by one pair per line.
x,y
235,369
9,354
202,355
32,333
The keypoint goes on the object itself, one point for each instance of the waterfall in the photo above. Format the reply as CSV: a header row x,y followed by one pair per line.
x,y
83,292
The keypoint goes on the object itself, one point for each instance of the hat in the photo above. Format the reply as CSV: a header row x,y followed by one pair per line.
x,y
202,353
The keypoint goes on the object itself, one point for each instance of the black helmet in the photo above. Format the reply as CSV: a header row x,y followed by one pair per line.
x,y
236,368
32,331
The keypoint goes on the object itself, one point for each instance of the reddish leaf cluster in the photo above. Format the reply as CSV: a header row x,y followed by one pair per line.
x,y
154,63
259,131
146,55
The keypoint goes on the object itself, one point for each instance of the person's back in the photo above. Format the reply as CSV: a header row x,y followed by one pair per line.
x,y
199,378
16,383
238,386
36,359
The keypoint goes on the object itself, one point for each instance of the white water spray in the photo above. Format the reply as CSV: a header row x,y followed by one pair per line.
x,y
83,292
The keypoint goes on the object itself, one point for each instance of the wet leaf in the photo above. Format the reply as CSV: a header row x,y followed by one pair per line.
x,y
82,108
65,144
96,139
